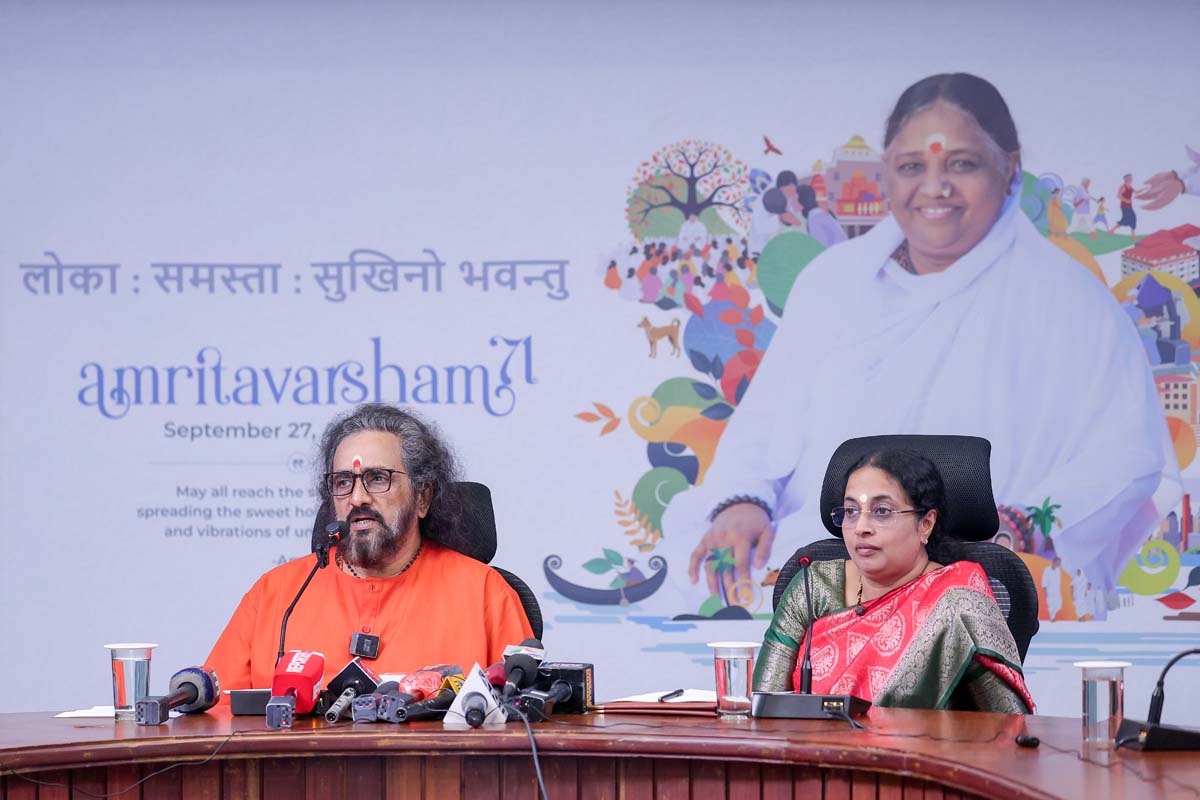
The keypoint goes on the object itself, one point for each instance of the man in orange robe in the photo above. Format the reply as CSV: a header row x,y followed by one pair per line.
x,y
389,476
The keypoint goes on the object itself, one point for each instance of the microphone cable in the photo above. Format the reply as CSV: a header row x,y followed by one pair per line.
x,y
1125,764
1154,716
537,766
842,715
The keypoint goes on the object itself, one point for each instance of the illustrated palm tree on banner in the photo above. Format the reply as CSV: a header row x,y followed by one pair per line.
x,y
721,561
1043,518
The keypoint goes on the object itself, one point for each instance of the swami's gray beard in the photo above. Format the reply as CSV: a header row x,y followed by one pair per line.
x,y
379,548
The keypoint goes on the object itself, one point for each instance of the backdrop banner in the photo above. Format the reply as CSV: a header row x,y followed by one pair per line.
x,y
577,238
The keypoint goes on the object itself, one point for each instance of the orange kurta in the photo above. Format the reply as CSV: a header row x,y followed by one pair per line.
x,y
446,608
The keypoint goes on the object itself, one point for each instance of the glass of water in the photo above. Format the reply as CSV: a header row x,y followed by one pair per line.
x,y
130,675
1103,700
734,663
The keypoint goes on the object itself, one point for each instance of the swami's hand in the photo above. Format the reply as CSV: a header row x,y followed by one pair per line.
x,y
744,527
1160,189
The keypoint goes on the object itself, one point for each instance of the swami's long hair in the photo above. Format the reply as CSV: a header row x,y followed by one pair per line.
x,y
428,460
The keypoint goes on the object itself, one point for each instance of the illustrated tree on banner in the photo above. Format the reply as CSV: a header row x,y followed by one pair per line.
x,y
685,180
1043,518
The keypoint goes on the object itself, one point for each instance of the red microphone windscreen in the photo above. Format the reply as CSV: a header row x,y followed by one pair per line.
x,y
805,561
495,674
423,682
299,672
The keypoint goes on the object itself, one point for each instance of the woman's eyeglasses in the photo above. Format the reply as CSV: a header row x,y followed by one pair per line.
x,y
883,516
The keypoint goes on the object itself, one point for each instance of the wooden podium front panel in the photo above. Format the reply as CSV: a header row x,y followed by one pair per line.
x,y
904,754
473,778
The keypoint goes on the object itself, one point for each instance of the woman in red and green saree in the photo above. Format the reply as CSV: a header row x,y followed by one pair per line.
x,y
894,626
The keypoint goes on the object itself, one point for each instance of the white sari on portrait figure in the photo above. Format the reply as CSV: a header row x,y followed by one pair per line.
x,y
1015,342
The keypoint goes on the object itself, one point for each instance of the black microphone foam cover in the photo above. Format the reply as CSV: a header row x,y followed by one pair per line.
x,y
337,530
520,669
474,709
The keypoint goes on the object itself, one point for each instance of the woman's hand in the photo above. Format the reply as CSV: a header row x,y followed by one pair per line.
x,y
744,527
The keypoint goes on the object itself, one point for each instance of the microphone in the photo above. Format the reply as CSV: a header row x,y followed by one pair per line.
x,y
366,707
538,704
1152,734
474,708
521,665
426,681
1154,716
410,688
341,704
559,691
295,687
423,686
415,687
476,704
578,676
495,675
351,681
334,532
435,705
563,687
806,667
803,704
192,690
392,705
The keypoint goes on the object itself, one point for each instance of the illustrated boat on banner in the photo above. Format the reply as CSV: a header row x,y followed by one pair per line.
x,y
633,593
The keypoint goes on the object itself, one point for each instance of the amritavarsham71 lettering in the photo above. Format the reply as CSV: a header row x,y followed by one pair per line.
x,y
208,380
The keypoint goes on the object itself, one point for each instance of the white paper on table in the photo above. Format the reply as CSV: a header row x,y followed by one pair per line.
x,y
94,711
688,696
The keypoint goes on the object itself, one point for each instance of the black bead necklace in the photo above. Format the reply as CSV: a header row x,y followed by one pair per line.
x,y
350,567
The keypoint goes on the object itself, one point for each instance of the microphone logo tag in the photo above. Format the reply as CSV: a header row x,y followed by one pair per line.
x,y
298,661
524,650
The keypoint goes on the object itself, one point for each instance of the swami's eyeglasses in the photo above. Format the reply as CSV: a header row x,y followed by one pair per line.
x,y
376,480
883,516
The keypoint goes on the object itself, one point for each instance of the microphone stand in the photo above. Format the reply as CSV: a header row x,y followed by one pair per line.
x,y
334,531
804,704
806,667
1151,735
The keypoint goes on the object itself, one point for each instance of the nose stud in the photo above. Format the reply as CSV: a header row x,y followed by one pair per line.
x,y
946,191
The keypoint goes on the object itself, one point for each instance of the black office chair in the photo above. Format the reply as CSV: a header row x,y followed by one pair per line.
x,y
476,538
970,519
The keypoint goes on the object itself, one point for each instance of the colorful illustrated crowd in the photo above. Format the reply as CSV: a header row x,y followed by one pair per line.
x,y
663,272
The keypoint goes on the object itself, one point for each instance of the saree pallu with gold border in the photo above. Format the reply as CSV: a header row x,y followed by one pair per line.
x,y
939,642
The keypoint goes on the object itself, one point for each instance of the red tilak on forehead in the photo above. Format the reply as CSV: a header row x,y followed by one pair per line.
x,y
356,463
936,142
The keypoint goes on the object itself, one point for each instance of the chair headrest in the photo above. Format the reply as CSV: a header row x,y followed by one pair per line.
x,y
963,461
475,535
476,532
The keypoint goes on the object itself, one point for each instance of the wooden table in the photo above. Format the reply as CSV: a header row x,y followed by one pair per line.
x,y
905,754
